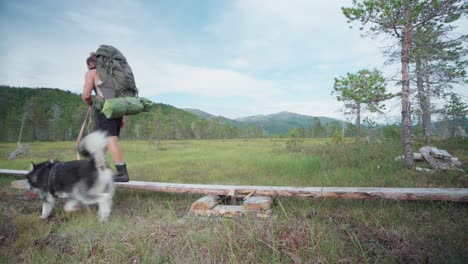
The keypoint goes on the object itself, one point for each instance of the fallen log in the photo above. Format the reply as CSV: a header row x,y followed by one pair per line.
x,y
16,173
406,194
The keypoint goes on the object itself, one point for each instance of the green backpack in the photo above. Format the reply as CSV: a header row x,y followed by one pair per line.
x,y
117,85
115,73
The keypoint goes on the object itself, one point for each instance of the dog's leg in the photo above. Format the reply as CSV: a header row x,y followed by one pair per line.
x,y
105,206
71,205
47,205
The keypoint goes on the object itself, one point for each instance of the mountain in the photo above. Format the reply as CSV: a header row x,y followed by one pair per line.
x,y
199,113
221,119
274,124
282,122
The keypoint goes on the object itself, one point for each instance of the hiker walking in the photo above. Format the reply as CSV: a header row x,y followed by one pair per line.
x,y
111,126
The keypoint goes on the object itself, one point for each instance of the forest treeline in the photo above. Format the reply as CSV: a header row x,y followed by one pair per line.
x,y
57,115
48,114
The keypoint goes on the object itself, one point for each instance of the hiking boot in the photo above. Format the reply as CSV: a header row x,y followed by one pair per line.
x,y
122,174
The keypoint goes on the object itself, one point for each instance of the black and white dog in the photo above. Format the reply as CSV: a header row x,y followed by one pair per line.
x,y
80,182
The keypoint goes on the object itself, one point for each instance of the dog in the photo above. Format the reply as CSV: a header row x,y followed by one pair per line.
x,y
79,182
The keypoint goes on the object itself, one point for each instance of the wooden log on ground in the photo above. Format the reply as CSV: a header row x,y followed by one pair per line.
x,y
416,156
406,194
16,173
424,170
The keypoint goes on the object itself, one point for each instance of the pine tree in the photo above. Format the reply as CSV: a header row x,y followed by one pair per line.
x,y
362,91
400,19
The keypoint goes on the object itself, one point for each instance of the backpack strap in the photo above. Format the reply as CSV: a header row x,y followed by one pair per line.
x,y
99,92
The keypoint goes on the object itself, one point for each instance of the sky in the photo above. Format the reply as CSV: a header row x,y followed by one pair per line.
x,y
230,58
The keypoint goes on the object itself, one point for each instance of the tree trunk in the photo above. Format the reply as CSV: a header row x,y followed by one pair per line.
x,y
405,104
423,102
358,121
21,130
427,113
421,92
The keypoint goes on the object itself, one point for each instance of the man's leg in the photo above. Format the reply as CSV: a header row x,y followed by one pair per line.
x,y
112,128
115,150
117,157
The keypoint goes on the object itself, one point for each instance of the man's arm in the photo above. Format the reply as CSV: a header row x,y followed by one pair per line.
x,y
88,88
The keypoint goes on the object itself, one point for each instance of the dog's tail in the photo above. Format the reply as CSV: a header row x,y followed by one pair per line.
x,y
94,145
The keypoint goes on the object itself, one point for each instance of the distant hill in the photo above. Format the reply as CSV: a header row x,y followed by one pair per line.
x,y
221,119
274,124
282,122
199,113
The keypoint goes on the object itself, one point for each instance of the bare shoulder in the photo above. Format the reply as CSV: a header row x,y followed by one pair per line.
x,y
91,74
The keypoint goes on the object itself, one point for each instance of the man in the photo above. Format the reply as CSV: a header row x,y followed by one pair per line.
x,y
111,126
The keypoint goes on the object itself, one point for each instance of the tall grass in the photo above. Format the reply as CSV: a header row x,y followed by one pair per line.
x,y
148,227
262,162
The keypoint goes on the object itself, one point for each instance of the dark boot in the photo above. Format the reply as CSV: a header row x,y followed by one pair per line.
x,y
122,174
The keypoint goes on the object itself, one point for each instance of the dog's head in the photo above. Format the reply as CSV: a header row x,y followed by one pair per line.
x,y
38,174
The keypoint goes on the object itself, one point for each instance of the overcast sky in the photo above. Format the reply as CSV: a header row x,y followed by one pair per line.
x,y
229,58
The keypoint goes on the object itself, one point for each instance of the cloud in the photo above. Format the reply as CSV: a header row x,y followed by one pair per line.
x,y
167,77
238,63
97,24
280,55
280,34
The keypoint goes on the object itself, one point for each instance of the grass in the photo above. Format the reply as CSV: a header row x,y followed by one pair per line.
x,y
148,227
261,162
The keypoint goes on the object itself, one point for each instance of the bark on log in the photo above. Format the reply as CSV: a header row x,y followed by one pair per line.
x,y
407,194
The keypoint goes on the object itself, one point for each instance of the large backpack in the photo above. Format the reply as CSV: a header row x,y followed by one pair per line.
x,y
115,73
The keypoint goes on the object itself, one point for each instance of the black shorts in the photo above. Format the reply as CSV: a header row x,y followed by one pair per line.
x,y
111,126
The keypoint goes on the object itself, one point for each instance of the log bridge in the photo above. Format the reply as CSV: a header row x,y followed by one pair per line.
x,y
407,194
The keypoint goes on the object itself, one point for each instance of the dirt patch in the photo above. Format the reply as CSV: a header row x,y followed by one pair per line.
x,y
55,242
380,242
294,238
8,231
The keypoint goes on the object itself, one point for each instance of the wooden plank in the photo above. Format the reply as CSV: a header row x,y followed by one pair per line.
x,y
228,210
445,154
439,153
258,203
437,164
205,203
408,194
20,184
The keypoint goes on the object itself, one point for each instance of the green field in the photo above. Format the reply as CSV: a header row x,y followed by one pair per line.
x,y
148,227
